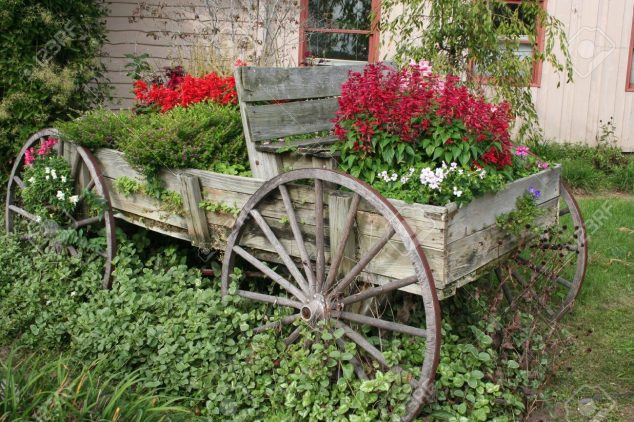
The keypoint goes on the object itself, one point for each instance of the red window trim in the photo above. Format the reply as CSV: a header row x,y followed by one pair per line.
x,y
629,86
373,31
536,80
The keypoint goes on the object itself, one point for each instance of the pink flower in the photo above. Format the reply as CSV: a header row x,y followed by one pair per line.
x,y
521,151
423,66
543,166
239,63
29,157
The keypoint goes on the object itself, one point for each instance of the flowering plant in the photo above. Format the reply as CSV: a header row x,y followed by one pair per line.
x,y
394,118
522,219
441,185
48,191
183,90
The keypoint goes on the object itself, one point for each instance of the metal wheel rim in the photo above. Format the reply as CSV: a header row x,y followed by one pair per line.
x,y
85,159
424,388
574,286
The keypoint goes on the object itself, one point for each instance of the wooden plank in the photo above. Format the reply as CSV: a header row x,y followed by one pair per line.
x,y
273,121
467,255
482,211
338,205
305,145
195,217
263,165
269,84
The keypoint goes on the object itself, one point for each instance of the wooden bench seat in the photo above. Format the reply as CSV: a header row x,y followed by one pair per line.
x,y
288,111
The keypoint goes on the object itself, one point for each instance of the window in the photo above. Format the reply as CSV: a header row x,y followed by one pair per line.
x,y
339,30
522,44
629,86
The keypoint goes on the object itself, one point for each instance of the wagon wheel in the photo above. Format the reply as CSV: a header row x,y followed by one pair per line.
x,y
87,180
312,289
547,272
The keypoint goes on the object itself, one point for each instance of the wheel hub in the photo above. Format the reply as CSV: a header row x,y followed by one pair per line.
x,y
314,310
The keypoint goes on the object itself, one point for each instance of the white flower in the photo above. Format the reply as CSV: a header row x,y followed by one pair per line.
x,y
48,177
53,174
394,177
454,165
482,173
48,302
460,171
32,180
456,192
47,170
404,179
74,199
73,293
63,179
60,195
38,219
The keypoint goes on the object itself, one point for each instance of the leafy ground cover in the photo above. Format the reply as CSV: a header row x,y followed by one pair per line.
x,y
166,323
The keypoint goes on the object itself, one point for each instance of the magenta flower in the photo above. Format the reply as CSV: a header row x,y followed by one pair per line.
x,y
542,166
521,151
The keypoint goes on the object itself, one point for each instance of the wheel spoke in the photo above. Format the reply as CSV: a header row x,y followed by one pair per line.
x,y
363,262
319,233
380,323
335,260
564,211
363,343
86,222
281,251
292,338
543,271
274,300
24,213
299,238
285,284
19,182
276,324
378,290
72,251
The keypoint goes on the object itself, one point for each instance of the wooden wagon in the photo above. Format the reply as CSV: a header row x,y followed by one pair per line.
x,y
332,247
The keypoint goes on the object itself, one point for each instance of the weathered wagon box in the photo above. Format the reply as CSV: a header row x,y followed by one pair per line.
x,y
459,243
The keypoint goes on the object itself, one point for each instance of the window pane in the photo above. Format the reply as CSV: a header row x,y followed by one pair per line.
x,y
339,14
338,46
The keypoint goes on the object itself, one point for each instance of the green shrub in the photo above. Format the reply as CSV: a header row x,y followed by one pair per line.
x,y
199,136
581,174
100,128
49,52
206,136
40,388
623,177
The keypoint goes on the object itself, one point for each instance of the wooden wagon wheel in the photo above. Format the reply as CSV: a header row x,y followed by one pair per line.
x,y
319,291
548,270
87,178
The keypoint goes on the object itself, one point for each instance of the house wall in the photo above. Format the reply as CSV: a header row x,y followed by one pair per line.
x,y
599,41
265,32
201,35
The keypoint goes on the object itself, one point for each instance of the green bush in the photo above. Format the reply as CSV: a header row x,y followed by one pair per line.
x,y
581,174
623,177
201,135
100,128
48,58
204,135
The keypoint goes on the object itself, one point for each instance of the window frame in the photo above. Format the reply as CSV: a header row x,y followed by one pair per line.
x,y
372,32
536,79
629,84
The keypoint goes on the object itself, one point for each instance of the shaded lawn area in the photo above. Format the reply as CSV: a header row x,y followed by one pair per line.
x,y
595,372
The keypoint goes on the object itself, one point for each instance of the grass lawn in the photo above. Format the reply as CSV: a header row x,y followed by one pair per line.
x,y
595,371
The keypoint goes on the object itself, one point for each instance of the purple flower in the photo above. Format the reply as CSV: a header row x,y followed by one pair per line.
x,y
534,192
521,151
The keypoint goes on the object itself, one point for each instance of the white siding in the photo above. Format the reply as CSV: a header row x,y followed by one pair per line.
x,y
599,36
